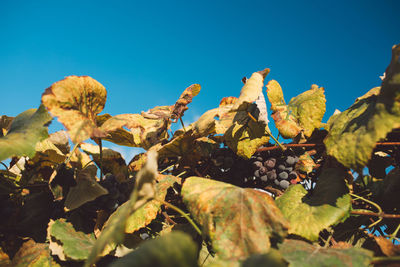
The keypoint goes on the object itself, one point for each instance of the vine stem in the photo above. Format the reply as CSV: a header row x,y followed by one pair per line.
x,y
4,165
175,208
375,214
314,145
183,125
269,133
167,168
66,161
394,234
376,260
101,158
380,212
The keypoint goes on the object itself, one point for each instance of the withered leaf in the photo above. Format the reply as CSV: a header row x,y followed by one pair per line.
x,y
185,98
239,221
76,100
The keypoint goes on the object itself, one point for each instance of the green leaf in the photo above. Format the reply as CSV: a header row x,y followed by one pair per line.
x,y
67,243
33,254
246,135
354,132
114,229
87,189
148,212
176,249
272,259
239,221
75,101
25,131
328,204
309,108
299,253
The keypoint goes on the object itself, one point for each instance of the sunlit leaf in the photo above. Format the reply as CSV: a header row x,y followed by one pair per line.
x,y
354,132
114,229
309,108
148,212
86,189
75,101
302,254
185,98
239,221
245,135
60,140
144,132
328,204
205,125
25,131
252,89
306,163
33,254
176,249
67,243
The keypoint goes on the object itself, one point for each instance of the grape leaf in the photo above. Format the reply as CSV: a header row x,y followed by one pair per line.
x,y
353,133
302,254
205,125
33,254
251,89
186,97
328,204
148,212
272,259
246,135
60,140
86,189
144,132
25,131
114,229
305,164
239,221
303,113
112,161
119,136
309,108
76,100
67,243
176,249
4,259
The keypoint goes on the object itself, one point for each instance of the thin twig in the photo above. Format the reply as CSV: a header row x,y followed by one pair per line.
x,y
394,234
183,125
166,216
381,260
101,158
373,204
375,214
175,208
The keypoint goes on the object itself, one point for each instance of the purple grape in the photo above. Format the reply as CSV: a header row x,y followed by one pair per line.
x,y
264,178
263,170
283,175
257,173
284,184
290,161
272,175
257,164
281,167
270,163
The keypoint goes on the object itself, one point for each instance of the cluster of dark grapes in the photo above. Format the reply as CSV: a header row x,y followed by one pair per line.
x,y
118,193
275,167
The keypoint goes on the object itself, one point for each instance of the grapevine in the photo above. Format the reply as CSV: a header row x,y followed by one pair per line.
x,y
222,191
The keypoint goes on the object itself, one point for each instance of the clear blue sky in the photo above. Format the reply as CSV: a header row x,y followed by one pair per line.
x,y
147,52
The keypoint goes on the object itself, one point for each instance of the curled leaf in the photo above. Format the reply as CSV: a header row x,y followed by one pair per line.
x,y
252,88
76,100
185,98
